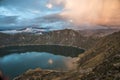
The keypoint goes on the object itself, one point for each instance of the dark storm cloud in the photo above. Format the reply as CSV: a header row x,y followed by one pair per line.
x,y
28,8
26,4
18,3
0,0
25,12
7,19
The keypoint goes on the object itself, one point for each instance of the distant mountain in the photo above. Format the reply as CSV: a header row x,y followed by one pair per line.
x,y
65,37
30,29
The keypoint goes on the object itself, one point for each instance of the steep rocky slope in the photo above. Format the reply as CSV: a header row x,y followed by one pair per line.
x,y
104,58
102,62
108,70
103,49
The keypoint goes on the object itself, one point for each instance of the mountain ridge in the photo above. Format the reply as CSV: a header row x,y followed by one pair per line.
x,y
65,37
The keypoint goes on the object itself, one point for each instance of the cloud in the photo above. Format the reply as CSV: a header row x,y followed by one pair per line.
x,y
92,11
27,4
8,19
28,8
27,11
23,4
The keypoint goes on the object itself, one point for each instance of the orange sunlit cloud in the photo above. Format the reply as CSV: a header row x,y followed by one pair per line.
x,y
92,11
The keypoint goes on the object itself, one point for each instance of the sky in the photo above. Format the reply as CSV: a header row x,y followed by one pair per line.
x,y
59,14
22,13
